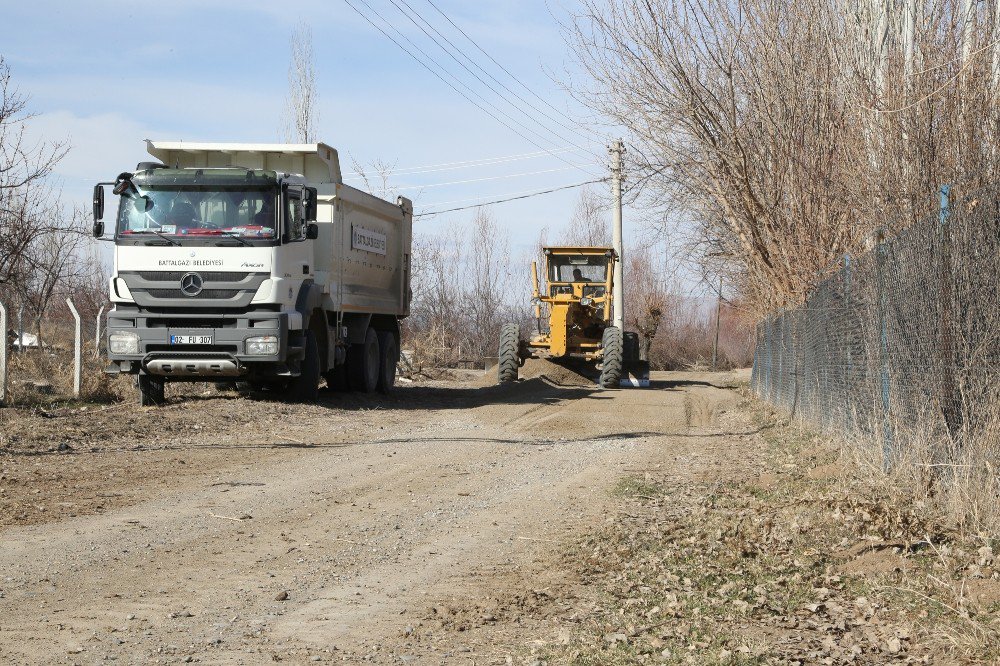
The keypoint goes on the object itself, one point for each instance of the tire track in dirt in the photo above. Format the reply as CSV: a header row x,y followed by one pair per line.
x,y
414,508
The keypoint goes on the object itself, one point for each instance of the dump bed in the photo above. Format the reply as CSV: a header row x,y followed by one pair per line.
x,y
363,251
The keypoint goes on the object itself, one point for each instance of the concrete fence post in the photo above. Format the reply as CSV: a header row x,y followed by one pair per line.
x,y
20,327
3,354
97,332
77,349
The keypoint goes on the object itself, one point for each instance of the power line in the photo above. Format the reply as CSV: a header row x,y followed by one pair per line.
x,y
476,198
445,81
523,196
480,180
484,71
467,164
495,62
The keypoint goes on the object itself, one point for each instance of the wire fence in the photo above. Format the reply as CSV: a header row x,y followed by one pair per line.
x,y
900,345
70,336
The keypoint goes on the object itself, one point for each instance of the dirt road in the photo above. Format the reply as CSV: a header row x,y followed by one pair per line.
x,y
419,529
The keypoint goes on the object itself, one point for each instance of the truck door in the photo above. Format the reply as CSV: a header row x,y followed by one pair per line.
x,y
298,259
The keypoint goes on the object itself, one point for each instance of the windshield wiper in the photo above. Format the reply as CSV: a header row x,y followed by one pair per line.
x,y
234,235
163,236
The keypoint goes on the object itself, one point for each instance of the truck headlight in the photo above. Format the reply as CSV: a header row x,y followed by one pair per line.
x,y
586,300
265,345
123,342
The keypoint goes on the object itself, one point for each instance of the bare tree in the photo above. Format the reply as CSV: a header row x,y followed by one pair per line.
x,y
489,292
591,222
647,297
375,177
25,201
301,114
56,263
786,133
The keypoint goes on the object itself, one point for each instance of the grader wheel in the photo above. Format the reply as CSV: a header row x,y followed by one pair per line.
x,y
614,352
508,361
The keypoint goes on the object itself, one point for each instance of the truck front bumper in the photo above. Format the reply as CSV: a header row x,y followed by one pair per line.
x,y
225,357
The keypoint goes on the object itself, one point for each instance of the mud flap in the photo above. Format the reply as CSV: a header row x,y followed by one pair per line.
x,y
635,374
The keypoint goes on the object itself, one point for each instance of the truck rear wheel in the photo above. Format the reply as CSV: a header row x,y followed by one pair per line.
x,y
151,391
613,347
363,364
305,387
388,358
507,358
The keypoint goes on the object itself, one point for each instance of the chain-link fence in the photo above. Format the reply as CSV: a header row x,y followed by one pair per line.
x,y
901,344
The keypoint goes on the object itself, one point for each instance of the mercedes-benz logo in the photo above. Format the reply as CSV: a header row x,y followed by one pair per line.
x,y
191,284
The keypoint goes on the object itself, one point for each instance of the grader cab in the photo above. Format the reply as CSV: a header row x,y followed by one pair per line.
x,y
577,296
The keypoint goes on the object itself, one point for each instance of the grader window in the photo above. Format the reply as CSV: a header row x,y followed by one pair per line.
x,y
581,268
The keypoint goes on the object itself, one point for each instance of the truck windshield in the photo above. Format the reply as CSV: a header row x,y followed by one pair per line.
x,y
580,268
185,212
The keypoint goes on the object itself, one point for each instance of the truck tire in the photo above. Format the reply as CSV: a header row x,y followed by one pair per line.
x,y
305,387
363,364
388,357
612,344
507,357
151,391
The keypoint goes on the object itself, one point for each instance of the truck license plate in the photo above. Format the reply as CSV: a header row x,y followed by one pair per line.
x,y
191,339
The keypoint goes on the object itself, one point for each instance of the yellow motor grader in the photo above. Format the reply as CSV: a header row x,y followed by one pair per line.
x,y
579,284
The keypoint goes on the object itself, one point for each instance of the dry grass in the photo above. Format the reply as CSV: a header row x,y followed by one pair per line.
x,y
816,560
52,368
955,477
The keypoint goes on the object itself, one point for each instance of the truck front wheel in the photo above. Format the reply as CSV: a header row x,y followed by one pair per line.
x,y
363,364
305,387
151,391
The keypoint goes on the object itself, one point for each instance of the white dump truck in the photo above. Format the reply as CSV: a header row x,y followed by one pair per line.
x,y
254,264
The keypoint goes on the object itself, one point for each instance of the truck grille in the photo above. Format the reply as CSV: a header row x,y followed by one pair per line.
x,y
227,289
175,276
218,294
190,349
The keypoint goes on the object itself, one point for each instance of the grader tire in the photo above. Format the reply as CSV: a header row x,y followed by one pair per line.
x,y
507,361
613,346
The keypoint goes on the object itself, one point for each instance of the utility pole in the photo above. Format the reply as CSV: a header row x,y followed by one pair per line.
x,y
718,325
617,150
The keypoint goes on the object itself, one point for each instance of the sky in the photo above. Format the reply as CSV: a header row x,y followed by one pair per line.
x,y
104,75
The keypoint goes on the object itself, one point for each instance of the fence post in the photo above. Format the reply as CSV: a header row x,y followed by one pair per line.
x,y
97,333
3,355
77,349
884,351
769,362
848,369
20,327
949,390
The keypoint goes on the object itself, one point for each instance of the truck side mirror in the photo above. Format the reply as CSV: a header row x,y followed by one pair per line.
x,y
98,204
312,231
311,204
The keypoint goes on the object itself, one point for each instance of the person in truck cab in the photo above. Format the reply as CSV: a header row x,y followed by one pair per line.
x,y
183,216
265,217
